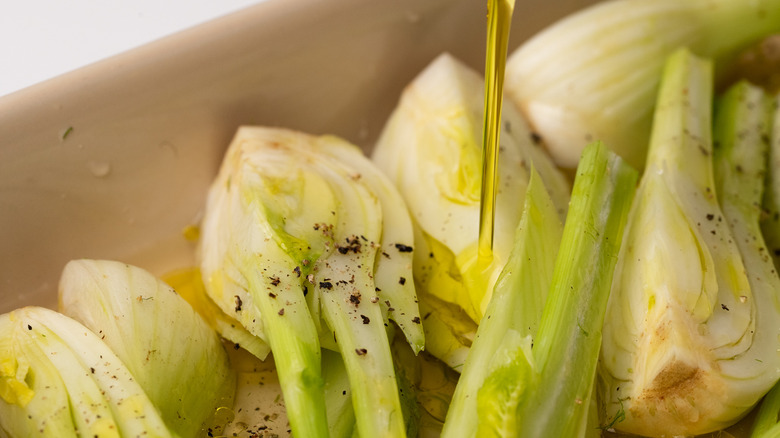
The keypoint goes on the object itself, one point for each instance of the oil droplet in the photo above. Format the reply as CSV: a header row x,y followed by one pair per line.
x,y
363,132
191,233
166,145
222,416
99,169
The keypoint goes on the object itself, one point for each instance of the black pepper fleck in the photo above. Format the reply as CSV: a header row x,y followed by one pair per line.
x,y
403,248
353,245
355,298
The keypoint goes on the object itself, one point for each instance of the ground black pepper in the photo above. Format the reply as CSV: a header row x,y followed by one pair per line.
x,y
403,248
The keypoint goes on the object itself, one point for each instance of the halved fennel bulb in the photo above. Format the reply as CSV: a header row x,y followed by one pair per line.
x,y
431,150
168,348
691,336
308,245
58,379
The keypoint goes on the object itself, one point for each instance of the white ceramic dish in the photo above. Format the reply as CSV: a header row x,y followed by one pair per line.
x,y
113,160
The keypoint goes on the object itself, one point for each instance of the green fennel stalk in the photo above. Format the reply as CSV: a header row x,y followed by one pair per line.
x,y
741,137
567,344
770,225
516,305
520,381
767,421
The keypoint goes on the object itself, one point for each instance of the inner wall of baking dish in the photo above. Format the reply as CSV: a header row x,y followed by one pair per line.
x,y
113,161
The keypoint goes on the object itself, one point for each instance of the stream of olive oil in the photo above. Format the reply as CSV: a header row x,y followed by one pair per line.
x,y
499,20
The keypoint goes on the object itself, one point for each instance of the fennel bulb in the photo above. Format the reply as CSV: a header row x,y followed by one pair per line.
x,y
594,75
306,244
59,379
691,333
431,150
167,347
188,284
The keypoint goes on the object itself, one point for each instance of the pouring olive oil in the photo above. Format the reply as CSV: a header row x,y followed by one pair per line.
x,y
499,20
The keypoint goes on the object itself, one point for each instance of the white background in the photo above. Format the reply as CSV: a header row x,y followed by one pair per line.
x,y
40,39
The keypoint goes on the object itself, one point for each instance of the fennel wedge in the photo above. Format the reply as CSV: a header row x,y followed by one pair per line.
x,y
431,149
594,75
58,379
690,339
168,348
295,247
